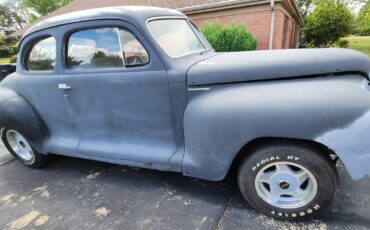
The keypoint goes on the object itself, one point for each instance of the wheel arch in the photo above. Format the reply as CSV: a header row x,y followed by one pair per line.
x,y
248,148
16,113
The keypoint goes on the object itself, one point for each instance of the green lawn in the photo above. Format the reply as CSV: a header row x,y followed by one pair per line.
x,y
5,60
360,43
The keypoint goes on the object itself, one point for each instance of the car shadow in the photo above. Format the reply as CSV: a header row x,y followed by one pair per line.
x,y
170,200
133,176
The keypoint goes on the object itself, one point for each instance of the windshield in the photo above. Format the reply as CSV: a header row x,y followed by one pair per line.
x,y
175,36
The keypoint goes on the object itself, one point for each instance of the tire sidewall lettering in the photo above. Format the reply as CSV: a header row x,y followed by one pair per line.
x,y
265,161
309,211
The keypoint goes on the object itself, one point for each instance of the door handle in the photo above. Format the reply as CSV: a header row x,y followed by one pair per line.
x,y
64,86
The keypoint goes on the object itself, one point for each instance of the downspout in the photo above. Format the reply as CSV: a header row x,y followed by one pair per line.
x,y
272,26
297,39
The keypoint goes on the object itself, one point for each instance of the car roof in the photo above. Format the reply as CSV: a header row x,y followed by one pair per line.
x,y
135,14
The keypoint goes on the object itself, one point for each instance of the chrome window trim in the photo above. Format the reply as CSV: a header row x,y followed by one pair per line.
x,y
199,33
121,47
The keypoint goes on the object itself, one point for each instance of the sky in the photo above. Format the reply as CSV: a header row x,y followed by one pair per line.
x,y
355,5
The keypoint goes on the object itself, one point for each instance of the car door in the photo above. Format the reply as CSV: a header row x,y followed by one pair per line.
x,y
38,68
118,90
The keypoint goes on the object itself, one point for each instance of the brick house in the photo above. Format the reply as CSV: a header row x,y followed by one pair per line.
x,y
275,23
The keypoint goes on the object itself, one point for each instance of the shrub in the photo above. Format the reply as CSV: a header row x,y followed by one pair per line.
x,y
13,50
231,37
4,53
13,59
7,52
342,43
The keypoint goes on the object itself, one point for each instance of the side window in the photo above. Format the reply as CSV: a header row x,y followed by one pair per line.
x,y
133,51
41,56
104,48
94,48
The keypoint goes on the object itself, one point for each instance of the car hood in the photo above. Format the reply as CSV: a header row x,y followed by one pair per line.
x,y
276,64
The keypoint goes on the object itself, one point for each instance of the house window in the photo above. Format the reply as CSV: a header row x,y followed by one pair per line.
x,y
285,32
42,55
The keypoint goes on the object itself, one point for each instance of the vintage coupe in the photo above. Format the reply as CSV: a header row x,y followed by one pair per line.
x,y
141,86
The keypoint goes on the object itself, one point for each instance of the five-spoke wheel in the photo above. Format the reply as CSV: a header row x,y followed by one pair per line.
x,y
286,185
21,148
19,145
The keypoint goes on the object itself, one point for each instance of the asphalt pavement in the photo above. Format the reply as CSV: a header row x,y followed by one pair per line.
x,y
79,194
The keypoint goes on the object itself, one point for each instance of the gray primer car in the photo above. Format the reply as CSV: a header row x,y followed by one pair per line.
x,y
283,117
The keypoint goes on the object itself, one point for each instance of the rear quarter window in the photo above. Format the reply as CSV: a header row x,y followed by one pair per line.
x,y
41,55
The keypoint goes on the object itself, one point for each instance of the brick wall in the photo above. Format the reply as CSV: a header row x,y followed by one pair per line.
x,y
258,22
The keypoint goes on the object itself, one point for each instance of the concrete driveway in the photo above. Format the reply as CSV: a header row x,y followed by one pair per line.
x,y
78,194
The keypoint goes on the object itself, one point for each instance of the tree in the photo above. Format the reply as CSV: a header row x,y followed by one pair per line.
x,y
73,61
10,21
12,18
103,60
363,20
327,23
44,7
304,6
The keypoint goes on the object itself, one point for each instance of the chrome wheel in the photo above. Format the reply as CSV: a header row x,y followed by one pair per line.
x,y
19,145
286,185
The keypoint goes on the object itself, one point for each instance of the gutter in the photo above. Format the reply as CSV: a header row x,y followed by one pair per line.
x,y
300,17
213,5
272,26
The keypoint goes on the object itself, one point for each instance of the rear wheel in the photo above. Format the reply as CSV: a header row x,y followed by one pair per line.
x,y
290,181
21,149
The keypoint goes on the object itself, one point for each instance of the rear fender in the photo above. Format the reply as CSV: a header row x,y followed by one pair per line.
x,y
17,114
334,111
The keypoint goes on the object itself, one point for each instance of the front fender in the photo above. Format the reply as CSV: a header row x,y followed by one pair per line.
x,y
17,114
334,111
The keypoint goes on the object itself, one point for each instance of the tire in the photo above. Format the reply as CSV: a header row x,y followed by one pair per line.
x,y
288,180
25,153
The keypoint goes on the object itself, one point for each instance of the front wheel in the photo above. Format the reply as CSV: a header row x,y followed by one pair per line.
x,y
289,181
21,149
